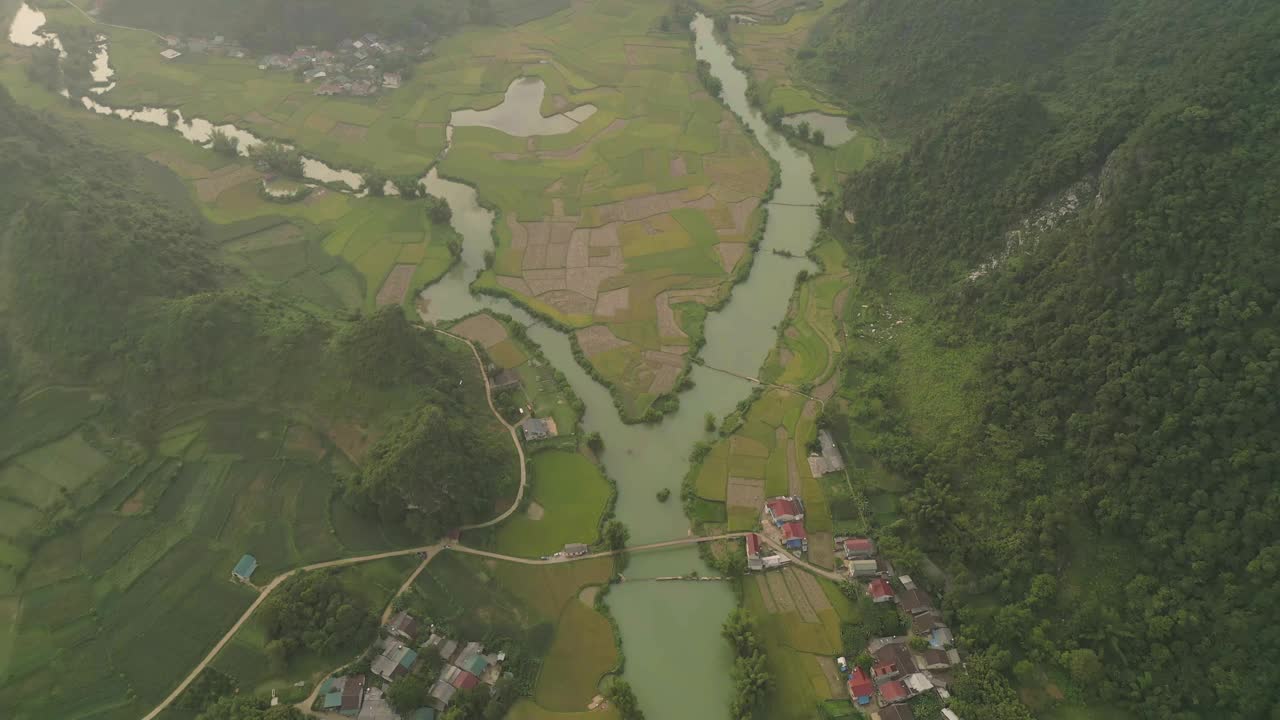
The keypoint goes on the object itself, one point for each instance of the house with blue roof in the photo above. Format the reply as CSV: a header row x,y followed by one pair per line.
x,y
244,569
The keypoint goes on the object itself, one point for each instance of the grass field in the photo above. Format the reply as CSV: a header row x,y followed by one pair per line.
x,y
570,495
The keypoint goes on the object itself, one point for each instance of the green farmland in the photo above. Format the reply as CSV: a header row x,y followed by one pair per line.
x,y
566,500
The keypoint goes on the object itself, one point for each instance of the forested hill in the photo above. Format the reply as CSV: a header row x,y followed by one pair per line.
x,y
1113,516
106,283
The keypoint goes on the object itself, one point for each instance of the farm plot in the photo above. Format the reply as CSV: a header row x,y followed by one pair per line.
x,y
571,494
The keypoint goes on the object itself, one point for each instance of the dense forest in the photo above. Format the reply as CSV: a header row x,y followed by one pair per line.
x,y
282,25
1087,192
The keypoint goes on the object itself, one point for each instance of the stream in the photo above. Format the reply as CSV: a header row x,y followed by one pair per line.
x,y
676,660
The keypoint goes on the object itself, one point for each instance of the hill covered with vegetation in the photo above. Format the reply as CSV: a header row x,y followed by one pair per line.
x,y
161,415
1085,203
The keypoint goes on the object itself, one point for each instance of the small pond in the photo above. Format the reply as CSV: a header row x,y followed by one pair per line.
x,y
835,128
520,112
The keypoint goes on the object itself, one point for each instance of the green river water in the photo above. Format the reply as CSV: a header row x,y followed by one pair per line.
x,y
675,658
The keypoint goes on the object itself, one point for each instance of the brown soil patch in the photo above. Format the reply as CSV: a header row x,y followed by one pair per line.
x,y
347,132
792,333
555,187
506,156
770,606
822,550
730,254
801,598
557,208
840,304
515,285
741,212
664,379
605,236
660,358
396,287
135,504
812,590
209,188
352,440
587,281
557,255
579,252
666,317
588,595
745,492
678,168
639,208
545,280
304,441
184,168
607,257
781,595
742,445
535,511
829,671
258,118
482,329
599,339
785,357
559,102
612,303
568,301
675,349
824,391
810,410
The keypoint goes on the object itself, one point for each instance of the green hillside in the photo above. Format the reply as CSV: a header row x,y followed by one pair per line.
x,y
1080,232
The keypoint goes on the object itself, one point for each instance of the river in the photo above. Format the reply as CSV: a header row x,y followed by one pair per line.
x,y
676,660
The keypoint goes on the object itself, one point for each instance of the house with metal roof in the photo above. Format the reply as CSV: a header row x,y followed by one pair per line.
x,y
753,552
861,688
244,569
859,547
880,590
829,459
443,692
783,510
395,660
575,549
343,695
794,536
894,692
862,568
403,626
539,428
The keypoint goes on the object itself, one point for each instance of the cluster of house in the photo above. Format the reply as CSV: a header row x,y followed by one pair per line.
x,y
900,669
466,666
539,428
758,561
357,67
216,45
786,515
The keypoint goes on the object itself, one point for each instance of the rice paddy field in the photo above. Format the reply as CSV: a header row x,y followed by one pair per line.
x,y
798,617
103,617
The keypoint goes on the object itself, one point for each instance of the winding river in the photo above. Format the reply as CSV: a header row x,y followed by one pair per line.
x,y
676,660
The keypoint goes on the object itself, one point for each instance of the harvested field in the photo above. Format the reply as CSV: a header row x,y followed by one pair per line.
x,y
588,595
824,391
535,511
812,590
545,280
781,595
745,492
821,549
730,253
677,166
514,284
741,212
654,357
346,132
353,440
762,583
832,674
396,287
599,339
664,379
482,329
208,189
568,302
612,303
803,604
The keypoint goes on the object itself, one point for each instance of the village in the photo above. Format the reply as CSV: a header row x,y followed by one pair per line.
x,y
891,670
358,68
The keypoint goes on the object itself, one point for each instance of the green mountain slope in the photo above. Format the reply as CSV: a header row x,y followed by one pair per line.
x,y
1088,197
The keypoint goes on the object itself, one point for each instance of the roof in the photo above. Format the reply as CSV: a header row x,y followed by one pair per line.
x,y
950,714
465,680
403,622
443,692
918,683
915,601
879,588
538,428
170,54
859,545
575,548
860,684
332,700
924,622
476,665
794,530
246,566
753,544
783,507
448,649
898,712
353,692
894,691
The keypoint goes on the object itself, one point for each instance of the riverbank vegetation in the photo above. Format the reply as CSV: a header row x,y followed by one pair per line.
x,y
1071,314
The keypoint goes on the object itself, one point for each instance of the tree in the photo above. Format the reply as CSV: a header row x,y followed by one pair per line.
x,y
623,699
438,209
595,441
819,137
918,643
802,130
376,183
247,707
709,423
410,692
773,116
615,535
277,157
663,494
664,24
224,143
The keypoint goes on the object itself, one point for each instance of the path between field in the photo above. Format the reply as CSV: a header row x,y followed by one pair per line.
x,y
95,21
758,381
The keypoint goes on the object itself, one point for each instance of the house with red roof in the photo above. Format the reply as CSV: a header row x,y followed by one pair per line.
x,y
861,688
880,590
794,536
464,680
753,552
784,510
893,692
859,548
